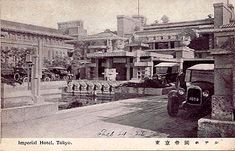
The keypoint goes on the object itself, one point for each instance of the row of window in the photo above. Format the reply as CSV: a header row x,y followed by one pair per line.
x,y
51,54
165,45
163,37
31,37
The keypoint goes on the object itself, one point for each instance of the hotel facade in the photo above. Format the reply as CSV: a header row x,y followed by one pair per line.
x,y
19,37
136,48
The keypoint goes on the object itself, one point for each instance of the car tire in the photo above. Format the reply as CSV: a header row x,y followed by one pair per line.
x,y
25,79
47,79
173,106
17,77
65,78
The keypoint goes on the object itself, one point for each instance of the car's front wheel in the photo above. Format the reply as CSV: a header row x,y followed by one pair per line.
x,y
47,79
173,106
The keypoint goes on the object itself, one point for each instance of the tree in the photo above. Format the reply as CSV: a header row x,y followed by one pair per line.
x,y
165,19
17,55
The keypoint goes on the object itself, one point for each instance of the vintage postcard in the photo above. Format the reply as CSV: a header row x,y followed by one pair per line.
x,y
117,75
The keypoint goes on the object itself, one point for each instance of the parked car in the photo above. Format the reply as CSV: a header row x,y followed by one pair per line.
x,y
198,92
166,72
47,75
21,74
61,73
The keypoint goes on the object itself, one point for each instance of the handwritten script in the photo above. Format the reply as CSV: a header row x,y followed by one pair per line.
x,y
112,133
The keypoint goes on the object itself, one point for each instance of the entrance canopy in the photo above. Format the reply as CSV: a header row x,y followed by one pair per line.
x,y
167,64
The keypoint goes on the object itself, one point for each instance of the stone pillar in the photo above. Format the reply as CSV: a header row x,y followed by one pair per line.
x,y
0,85
221,123
222,102
135,73
152,67
37,74
153,45
96,72
108,63
128,69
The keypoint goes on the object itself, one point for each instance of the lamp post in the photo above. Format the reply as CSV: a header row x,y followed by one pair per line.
x,y
29,63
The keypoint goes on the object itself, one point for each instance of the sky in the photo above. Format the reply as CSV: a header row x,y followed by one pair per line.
x,y
99,15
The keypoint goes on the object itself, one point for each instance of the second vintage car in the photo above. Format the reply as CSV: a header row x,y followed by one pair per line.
x,y
166,72
198,92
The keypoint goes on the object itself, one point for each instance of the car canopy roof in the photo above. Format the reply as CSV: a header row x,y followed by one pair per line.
x,y
58,68
167,64
202,67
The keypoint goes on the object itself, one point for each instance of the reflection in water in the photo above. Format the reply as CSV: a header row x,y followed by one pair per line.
x,y
73,101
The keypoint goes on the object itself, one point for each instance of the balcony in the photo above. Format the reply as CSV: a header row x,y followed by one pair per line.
x,y
110,54
97,47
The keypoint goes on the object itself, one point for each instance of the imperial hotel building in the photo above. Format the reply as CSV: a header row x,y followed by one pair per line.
x,y
136,48
20,36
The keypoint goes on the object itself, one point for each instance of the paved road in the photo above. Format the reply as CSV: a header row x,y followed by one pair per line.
x,y
140,117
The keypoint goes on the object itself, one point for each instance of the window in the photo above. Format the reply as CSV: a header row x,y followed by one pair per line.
x,y
154,38
162,45
131,60
169,37
172,44
161,37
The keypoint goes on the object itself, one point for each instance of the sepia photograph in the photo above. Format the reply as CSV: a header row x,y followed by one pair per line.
x,y
161,71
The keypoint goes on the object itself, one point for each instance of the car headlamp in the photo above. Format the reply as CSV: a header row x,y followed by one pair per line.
x,y
181,92
205,93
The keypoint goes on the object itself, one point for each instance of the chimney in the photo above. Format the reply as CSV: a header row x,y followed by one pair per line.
x,y
231,7
222,14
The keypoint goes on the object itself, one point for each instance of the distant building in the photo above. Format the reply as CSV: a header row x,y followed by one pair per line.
x,y
138,47
72,28
126,25
22,36
107,50
166,37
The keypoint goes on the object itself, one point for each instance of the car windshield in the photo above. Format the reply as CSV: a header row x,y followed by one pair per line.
x,y
164,70
161,70
199,75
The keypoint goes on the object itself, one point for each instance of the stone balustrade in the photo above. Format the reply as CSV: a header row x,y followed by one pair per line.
x,y
83,87
98,88
92,87
106,87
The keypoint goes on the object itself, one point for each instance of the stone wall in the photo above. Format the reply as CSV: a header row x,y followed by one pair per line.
x,y
15,96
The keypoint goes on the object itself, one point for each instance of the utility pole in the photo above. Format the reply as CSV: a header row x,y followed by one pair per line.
x,y
138,7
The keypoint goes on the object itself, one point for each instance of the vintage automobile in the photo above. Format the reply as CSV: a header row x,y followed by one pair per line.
x,y
61,73
196,97
47,75
21,74
166,72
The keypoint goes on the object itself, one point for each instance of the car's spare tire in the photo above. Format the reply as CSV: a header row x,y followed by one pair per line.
x,y
17,76
173,106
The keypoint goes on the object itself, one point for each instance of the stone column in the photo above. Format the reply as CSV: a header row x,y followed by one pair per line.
x,y
108,63
152,67
37,74
96,72
0,85
221,123
128,69
222,102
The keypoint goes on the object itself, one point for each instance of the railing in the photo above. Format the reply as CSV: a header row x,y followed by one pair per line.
x,y
84,87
